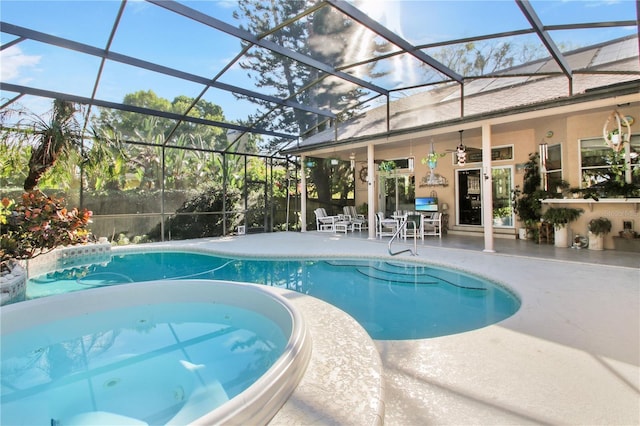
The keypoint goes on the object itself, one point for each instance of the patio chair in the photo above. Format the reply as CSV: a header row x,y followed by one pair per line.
x,y
414,227
358,221
432,225
324,222
385,227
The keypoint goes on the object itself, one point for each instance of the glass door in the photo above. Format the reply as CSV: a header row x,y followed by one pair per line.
x,y
469,197
396,192
502,184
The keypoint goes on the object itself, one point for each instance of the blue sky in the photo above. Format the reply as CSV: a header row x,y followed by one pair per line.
x,y
153,34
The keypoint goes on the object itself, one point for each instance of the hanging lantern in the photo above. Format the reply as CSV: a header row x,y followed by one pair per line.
x,y
461,152
616,136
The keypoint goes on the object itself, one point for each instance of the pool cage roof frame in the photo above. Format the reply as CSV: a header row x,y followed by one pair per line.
x,y
246,40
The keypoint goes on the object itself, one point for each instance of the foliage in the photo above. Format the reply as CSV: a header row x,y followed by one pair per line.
x,y
330,182
326,35
37,149
478,57
599,226
432,159
190,222
560,216
502,211
38,224
387,166
526,202
54,138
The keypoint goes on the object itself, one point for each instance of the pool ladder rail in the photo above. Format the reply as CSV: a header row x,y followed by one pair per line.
x,y
402,227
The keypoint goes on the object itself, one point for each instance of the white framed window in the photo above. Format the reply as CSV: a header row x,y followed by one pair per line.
x,y
599,163
551,166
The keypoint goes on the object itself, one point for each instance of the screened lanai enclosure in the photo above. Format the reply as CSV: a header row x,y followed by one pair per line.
x,y
184,119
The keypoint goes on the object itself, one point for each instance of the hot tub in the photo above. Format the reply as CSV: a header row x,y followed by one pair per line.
x,y
29,326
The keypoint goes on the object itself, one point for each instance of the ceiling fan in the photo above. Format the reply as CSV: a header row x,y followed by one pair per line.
x,y
460,151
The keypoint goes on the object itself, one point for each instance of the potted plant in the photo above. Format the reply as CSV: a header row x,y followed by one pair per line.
x,y
597,229
526,201
559,217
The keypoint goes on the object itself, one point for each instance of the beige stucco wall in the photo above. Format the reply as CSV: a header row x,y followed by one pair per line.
x,y
525,136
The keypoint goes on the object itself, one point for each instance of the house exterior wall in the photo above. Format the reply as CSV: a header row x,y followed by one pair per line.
x,y
525,136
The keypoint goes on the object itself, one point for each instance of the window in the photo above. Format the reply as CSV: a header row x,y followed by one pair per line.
x,y
599,163
499,153
552,170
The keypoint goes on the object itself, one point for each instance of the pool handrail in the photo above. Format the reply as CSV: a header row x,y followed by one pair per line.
x,y
402,226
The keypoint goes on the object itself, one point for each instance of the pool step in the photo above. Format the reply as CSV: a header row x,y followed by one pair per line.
x,y
397,278
405,273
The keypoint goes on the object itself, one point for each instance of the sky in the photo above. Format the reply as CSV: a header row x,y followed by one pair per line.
x,y
156,35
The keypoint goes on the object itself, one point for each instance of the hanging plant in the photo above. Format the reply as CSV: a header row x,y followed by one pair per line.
x,y
387,166
431,159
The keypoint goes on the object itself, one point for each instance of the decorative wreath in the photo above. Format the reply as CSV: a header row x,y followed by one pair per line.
x,y
615,137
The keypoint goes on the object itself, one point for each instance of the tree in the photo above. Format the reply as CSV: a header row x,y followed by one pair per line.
x,y
325,35
52,139
478,58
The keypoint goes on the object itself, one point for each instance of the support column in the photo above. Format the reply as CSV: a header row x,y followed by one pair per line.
x,y
303,193
487,189
371,188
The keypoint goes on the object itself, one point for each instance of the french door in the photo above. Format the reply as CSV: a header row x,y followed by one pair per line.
x,y
469,187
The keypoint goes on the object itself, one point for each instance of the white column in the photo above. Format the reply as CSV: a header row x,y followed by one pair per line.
x,y
303,194
371,191
628,177
487,189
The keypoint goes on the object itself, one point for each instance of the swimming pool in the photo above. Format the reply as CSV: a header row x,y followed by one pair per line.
x,y
391,299
224,351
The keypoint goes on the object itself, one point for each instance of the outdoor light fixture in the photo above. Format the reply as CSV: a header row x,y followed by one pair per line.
x,y
461,152
334,161
352,159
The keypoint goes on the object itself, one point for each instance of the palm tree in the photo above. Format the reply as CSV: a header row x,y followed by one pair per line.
x,y
53,139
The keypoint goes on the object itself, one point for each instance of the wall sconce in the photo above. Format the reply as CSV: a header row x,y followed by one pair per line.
x,y
445,207
352,159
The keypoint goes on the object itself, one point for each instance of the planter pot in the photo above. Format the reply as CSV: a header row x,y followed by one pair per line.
x,y
627,244
522,233
596,242
561,236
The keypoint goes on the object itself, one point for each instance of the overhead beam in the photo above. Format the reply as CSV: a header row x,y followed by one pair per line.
x,y
384,32
117,57
250,38
535,22
23,90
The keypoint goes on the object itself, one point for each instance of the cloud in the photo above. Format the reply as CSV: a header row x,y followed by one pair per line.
x,y
14,62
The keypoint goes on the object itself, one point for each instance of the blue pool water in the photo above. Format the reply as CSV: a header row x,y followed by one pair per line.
x,y
158,363
392,300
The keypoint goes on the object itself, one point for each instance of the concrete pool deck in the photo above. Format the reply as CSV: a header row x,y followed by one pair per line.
x,y
570,355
